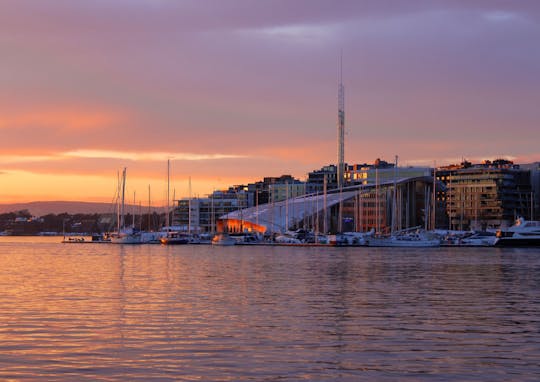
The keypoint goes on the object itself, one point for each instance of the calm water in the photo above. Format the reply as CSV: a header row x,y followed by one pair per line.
x,y
105,312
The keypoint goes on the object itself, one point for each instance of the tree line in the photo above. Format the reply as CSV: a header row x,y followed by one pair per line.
x,y
23,223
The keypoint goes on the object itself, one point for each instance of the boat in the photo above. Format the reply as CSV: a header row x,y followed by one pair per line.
x,y
524,233
124,235
408,239
175,238
127,236
478,239
223,239
94,239
286,239
350,239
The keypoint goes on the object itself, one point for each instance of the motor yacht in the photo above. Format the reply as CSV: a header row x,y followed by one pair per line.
x,y
524,233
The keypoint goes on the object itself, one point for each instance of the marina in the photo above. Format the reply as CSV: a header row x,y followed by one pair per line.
x,y
522,234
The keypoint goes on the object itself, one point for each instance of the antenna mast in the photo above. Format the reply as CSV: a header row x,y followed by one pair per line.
x,y
341,126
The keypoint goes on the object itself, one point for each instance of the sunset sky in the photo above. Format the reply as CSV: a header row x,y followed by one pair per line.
x,y
232,91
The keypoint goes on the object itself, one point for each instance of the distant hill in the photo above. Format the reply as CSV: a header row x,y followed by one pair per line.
x,y
58,207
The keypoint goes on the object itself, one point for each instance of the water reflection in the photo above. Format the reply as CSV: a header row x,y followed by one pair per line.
x,y
199,312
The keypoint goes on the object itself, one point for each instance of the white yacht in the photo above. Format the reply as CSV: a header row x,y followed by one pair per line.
x,y
126,236
409,239
223,239
524,233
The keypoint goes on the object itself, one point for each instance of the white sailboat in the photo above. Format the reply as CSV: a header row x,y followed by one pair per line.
x,y
124,235
405,239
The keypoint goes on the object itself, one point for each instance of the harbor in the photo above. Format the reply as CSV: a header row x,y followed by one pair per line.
x,y
273,191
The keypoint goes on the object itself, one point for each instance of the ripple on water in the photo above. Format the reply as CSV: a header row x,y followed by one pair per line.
x,y
100,312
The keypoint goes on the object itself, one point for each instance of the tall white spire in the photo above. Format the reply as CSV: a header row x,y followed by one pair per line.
x,y
341,126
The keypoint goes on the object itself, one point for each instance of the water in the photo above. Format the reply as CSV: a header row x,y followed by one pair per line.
x,y
91,312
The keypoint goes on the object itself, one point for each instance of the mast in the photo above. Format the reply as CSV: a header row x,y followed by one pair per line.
x,y
134,210
168,195
122,222
434,196
118,201
149,209
325,205
341,142
189,207
394,198
377,206
341,126
286,205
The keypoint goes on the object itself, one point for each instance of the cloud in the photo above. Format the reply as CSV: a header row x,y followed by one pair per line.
x,y
501,16
121,155
297,33
147,156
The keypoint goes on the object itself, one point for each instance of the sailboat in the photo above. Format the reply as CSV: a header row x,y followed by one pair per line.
x,y
405,239
124,235
172,238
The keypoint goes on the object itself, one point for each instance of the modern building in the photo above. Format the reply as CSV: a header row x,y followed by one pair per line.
x,y
289,189
275,189
200,215
317,178
381,172
485,195
534,169
360,207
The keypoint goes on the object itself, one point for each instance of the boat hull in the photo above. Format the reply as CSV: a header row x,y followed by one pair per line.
x,y
173,241
517,242
403,243
126,240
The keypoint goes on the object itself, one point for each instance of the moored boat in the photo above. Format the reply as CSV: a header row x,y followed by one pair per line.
x,y
175,238
524,233
223,239
126,236
409,239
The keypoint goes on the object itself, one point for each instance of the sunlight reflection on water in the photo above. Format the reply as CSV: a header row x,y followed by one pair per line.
x,y
97,311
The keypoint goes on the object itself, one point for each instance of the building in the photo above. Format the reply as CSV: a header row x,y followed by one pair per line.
x,y
485,195
289,189
534,169
381,171
317,178
274,188
200,215
361,208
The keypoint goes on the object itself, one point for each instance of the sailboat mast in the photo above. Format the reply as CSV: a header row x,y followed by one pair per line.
x,y
325,204
134,206
118,201
434,195
122,212
394,197
168,194
189,207
149,208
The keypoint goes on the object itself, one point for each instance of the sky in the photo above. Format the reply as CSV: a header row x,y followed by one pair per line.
x,y
231,91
